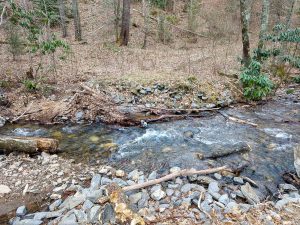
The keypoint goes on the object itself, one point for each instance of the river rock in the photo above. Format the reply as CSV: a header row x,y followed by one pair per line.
x,y
40,215
186,188
169,192
4,189
120,182
81,216
205,180
218,176
73,201
55,205
94,214
21,211
224,199
213,187
108,215
297,159
120,173
105,181
95,182
134,175
158,194
250,194
152,176
87,205
29,222
134,198
238,180
281,203
287,187
68,220
175,169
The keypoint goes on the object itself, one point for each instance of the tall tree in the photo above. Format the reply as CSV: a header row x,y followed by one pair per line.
x,y
245,19
124,35
77,24
62,15
263,26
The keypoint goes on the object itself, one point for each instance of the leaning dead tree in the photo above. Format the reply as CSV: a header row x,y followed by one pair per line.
x,y
62,15
245,19
77,24
124,35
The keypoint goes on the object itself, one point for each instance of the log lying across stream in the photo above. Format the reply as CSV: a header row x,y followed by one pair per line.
x,y
28,144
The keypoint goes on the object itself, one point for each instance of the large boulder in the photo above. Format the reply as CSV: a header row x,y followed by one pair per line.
x,y
297,159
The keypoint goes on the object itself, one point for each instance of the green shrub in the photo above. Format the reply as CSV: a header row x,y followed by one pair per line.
x,y
297,79
256,84
30,85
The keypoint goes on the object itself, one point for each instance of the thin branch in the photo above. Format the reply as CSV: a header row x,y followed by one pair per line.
x,y
185,172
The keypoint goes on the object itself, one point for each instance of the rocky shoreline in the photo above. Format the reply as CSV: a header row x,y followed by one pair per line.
x,y
77,194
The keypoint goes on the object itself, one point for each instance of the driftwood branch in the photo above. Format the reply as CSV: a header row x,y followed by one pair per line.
x,y
28,144
185,172
237,120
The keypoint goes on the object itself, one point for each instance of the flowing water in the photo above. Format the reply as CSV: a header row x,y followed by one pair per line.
x,y
177,143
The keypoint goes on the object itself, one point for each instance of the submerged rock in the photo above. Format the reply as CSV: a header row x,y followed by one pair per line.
x,y
2,121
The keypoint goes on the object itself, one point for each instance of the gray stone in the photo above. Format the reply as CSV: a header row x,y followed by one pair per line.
x,y
232,207
93,196
87,205
152,176
213,187
206,206
281,203
198,187
94,214
218,176
287,187
244,207
55,205
120,182
55,214
186,188
250,194
143,202
68,220
40,215
81,216
95,182
105,180
21,211
178,181
108,215
294,194
224,199
134,198
29,222
297,159
134,175
205,180
158,194
73,201
173,186
155,187
175,169
238,180
4,189
193,178
169,192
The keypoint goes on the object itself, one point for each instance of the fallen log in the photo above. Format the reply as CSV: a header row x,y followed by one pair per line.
x,y
28,144
185,172
222,152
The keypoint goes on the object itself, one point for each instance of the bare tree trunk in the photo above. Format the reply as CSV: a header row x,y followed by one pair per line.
x,y
146,21
62,17
245,19
124,35
264,26
284,48
117,8
290,13
77,24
